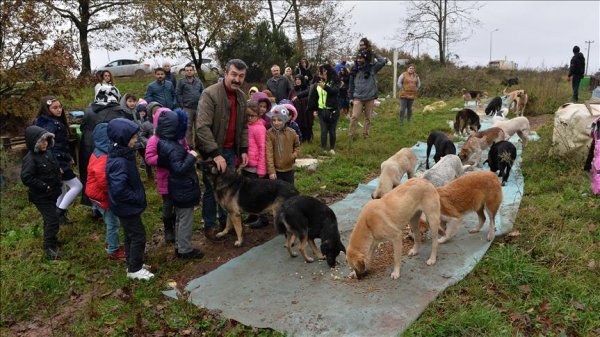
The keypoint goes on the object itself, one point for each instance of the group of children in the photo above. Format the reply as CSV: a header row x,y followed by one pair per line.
x,y
113,183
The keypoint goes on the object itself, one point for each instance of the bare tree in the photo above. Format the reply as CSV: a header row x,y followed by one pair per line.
x,y
189,26
91,17
442,21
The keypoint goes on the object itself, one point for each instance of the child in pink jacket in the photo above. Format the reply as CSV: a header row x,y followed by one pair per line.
x,y
162,179
257,157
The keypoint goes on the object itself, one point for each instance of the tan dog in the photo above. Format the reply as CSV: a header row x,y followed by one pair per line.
x,y
383,220
472,192
477,142
514,96
522,99
392,170
518,125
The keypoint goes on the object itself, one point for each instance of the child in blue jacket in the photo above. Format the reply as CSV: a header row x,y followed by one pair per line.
x,y
126,194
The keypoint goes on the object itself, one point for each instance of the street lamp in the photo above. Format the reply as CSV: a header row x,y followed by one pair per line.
x,y
495,30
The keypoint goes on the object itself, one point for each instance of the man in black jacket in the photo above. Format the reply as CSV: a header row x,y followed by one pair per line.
x,y
576,71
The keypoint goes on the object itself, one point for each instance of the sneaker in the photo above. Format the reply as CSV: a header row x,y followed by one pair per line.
x,y
332,151
53,253
118,255
96,214
141,274
62,216
211,234
193,254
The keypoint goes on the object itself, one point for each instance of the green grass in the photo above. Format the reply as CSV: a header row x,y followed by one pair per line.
x,y
539,283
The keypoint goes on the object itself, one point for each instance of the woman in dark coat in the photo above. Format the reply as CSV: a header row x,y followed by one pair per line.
x,y
305,118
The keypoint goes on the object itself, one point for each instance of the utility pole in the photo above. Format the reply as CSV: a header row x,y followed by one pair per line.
x,y
587,60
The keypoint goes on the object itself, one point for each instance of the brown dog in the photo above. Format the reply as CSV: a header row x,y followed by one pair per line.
x,y
515,96
466,119
473,95
472,192
477,142
392,170
522,99
383,220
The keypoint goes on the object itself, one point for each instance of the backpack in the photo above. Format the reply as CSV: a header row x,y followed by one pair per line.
x,y
595,183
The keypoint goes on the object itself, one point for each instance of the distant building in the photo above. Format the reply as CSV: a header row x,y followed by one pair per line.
x,y
503,65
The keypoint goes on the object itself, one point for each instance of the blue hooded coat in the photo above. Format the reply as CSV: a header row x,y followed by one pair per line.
x,y
126,193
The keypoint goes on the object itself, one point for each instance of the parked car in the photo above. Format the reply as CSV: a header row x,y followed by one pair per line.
x,y
208,65
127,67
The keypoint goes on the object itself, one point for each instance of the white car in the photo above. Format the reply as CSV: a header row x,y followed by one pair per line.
x,y
127,67
208,65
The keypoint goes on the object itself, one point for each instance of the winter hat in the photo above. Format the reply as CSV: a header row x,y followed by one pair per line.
x,y
107,94
141,107
252,91
292,109
151,106
280,112
576,49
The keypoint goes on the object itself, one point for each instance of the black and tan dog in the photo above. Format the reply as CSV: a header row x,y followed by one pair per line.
x,y
494,106
443,146
237,194
307,219
466,119
501,157
473,95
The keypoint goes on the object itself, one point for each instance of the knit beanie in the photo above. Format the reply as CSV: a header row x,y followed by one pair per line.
x,y
107,94
279,111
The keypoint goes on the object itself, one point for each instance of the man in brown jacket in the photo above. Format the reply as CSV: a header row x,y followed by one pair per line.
x,y
222,134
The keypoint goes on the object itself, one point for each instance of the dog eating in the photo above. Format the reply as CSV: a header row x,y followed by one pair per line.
x,y
477,142
445,170
473,192
501,157
466,119
494,106
306,219
476,95
518,125
236,194
443,146
393,169
383,220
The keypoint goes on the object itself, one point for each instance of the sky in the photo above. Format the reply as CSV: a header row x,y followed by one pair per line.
x,y
534,34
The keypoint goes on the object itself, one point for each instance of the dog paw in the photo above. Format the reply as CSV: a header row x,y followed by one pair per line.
x,y
309,259
431,262
490,236
352,274
294,254
442,239
474,230
237,243
321,257
412,252
221,234
395,275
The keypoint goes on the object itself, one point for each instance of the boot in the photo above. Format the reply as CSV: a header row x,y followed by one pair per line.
x,y
62,216
169,229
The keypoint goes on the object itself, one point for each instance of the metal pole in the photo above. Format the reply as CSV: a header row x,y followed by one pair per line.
x,y
495,30
395,70
587,63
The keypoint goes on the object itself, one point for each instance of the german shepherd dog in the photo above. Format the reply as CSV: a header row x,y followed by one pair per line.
x,y
237,194
473,94
494,106
466,119
443,146
307,218
501,157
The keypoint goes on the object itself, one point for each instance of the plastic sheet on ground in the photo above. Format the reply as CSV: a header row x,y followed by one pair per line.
x,y
267,288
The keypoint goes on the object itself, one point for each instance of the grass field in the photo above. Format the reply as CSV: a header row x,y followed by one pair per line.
x,y
541,282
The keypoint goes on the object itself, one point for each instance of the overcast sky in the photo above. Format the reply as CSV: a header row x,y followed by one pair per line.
x,y
534,34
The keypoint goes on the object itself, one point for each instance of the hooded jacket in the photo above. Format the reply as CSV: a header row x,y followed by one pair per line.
x,y
213,120
257,142
577,66
96,187
262,97
61,147
126,193
364,88
151,156
40,171
130,114
183,183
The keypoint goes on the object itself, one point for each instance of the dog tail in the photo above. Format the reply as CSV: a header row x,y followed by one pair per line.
x,y
504,91
279,221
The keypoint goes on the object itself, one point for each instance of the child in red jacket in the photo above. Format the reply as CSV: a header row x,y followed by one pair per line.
x,y
97,190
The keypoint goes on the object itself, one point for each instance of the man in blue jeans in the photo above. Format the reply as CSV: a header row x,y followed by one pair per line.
x,y
222,135
576,71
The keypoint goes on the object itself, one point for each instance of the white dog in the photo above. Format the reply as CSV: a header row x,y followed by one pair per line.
x,y
445,170
518,125
392,170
